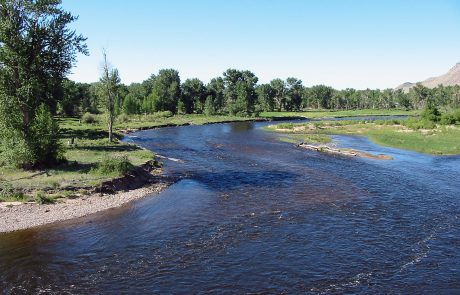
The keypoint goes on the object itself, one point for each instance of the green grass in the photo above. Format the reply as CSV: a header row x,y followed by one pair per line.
x,y
440,140
144,122
314,114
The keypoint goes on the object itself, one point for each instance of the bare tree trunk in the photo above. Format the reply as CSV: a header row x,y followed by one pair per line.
x,y
110,100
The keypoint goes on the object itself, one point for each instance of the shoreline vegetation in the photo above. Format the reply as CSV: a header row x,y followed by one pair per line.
x,y
413,133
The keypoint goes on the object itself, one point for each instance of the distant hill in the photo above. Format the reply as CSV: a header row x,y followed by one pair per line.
x,y
450,78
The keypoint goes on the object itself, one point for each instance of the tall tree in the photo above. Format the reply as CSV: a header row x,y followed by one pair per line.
x,y
193,95
266,94
37,51
110,80
216,89
279,89
294,94
166,91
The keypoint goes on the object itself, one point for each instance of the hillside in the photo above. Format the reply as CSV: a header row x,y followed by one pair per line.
x,y
452,77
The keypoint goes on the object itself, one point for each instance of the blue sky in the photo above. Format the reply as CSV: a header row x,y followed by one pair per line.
x,y
341,43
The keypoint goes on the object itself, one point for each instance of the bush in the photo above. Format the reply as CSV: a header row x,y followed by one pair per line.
x,y
88,118
8,193
123,118
42,199
416,123
431,113
457,115
48,149
164,114
447,119
114,165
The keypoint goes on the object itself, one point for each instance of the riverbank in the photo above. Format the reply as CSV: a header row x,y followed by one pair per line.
x,y
90,180
28,215
439,140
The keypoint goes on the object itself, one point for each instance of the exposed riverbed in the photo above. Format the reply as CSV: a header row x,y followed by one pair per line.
x,y
253,214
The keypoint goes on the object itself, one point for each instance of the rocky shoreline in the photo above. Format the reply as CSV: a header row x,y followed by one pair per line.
x,y
144,180
343,152
30,215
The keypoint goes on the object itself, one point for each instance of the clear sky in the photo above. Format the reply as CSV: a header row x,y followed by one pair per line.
x,y
341,43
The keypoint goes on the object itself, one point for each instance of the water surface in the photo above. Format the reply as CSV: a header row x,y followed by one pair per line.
x,y
252,214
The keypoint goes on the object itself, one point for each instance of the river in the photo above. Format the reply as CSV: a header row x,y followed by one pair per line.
x,y
252,214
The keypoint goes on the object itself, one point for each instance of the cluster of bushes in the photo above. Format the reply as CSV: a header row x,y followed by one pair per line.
x,y
89,118
114,165
30,145
430,117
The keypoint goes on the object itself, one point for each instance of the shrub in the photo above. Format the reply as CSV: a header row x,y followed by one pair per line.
x,y
447,119
42,199
32,145
457,115
8,193
118,165
48,149
285,126
164,114
88,118
416,123
431,113
123,118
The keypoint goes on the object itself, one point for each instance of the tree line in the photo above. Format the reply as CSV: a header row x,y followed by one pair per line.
x,y
237,92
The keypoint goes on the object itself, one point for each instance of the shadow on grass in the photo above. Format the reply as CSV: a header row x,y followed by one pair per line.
x,y
91,134
108,148
74,167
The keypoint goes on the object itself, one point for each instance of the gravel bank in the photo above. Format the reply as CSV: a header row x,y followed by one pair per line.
x,y
30,215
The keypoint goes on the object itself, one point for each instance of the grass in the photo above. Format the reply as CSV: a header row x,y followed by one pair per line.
x,y
91,158
314,114
440,140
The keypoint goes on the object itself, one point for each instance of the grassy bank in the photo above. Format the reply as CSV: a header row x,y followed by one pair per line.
x,y
440,140
314,114
91,158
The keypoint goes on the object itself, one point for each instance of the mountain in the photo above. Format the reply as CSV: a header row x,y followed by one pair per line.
x,y
452,77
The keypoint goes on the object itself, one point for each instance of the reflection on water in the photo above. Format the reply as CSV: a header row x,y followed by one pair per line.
x,y
253,214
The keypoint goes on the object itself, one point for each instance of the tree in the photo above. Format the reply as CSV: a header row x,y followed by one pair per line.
x,y
279,90
294,94
420,95
216,88
240,91
110,81
166,91
37,51
193,95
266,94
321,95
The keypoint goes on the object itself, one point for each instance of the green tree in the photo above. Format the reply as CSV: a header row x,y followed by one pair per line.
x,y
294,94
131,105
240,91
279,91
321,95
265,95
216,88
166,91
419,95
37,51
110,81
193,95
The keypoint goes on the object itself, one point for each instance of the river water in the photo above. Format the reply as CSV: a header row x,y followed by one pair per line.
x,y
252,214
